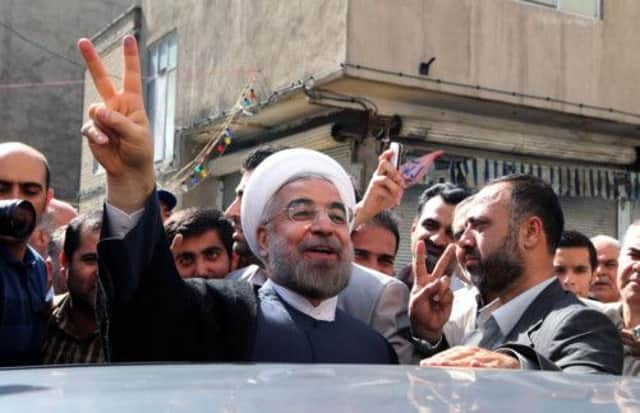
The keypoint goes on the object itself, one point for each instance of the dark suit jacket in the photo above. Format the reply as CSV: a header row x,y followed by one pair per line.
x,y
558,332
146,312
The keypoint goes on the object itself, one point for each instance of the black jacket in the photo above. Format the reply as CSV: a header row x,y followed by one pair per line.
x,y
146,312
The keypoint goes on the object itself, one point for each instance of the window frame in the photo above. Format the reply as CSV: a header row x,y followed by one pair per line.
x,y
161,67
557,5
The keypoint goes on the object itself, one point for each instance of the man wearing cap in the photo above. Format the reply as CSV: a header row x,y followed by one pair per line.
x,y
296,218
168,201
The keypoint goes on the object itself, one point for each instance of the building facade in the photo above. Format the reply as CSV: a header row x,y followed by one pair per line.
x,y
41,79
544,87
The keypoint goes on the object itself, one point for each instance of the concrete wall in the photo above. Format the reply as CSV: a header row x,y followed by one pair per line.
x,y
221,42
41,95
506,44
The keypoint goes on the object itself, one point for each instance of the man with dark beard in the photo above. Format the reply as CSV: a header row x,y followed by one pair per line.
x,y
519,316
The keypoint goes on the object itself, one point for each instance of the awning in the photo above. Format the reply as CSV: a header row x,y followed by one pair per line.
x,y
571,181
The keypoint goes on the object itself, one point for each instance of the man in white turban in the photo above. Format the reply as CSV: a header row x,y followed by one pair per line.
x,y
296,216
148,313
375,299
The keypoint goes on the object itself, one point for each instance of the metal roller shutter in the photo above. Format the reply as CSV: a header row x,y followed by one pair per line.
x,y
591,216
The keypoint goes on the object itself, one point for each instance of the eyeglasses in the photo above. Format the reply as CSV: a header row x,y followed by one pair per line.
x,y
303,211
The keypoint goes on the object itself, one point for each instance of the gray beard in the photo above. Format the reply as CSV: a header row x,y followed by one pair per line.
x,y
316,280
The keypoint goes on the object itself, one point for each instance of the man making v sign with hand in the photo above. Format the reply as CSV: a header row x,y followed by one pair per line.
x,y
296,216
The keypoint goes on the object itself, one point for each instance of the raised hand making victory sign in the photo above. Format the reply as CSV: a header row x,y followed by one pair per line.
x,y
119,133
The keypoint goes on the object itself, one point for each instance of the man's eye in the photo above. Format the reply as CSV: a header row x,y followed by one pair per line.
x,y
302,214
431,226
185,260
31,189
360,253
212,254
387,261
337,217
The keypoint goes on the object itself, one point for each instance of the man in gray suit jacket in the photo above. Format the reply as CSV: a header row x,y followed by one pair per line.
x,y
520,317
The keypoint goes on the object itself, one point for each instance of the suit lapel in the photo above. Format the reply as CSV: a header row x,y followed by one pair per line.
x,y
535,314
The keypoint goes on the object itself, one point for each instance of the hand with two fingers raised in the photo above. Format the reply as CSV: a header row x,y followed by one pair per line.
x,y
431,298
119,133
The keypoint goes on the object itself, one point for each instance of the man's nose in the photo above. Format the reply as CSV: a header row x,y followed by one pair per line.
x,y
202,267
568,281
233,210
322,223
441,238
465,240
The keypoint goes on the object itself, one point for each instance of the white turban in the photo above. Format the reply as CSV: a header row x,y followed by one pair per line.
x,y
275,171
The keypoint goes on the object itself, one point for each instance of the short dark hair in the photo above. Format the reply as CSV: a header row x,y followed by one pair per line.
x,y
388,220
450,193
73,233
532,196
575,239
195,221
258,155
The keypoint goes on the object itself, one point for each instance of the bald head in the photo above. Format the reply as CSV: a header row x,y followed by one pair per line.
x,y
8,149
24,174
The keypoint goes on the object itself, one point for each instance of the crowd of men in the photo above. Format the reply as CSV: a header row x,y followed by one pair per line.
x,y
297,269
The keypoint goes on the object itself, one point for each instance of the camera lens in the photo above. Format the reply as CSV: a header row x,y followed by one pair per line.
x,y
17,218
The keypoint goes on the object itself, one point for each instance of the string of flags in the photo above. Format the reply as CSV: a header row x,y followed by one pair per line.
x,y
196,171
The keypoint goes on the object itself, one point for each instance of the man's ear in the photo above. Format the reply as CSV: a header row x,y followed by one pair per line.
x,y
532,232
49,198
62,257
263,246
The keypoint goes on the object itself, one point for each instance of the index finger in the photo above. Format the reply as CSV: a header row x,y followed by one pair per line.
x,y
443,261
420,275
132,79
102,81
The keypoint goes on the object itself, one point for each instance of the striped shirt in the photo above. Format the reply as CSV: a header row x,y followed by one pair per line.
x,y
64,345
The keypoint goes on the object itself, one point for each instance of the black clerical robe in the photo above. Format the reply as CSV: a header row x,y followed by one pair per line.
x,y
285,334
146,312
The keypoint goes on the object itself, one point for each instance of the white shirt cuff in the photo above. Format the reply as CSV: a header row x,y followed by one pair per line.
x,y
120,223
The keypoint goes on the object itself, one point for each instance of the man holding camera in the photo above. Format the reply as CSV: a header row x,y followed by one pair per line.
x,y
24,175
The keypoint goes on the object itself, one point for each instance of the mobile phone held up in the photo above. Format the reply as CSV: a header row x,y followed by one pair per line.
x,y
397,152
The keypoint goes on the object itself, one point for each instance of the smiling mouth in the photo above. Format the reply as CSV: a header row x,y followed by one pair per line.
x,y
322,252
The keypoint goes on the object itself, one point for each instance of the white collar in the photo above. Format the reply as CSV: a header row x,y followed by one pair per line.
x,y
325,311
509,314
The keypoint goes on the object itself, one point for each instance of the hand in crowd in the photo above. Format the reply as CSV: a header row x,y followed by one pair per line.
x,y
431,298
385,190
629,340
469,356
119,133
